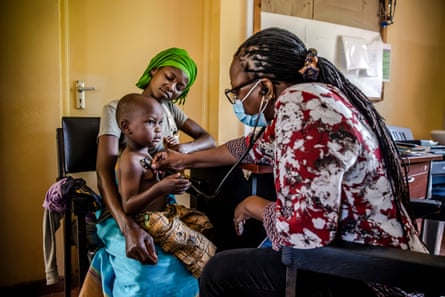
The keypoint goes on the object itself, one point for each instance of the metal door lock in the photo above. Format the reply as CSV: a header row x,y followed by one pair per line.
x,y
80,93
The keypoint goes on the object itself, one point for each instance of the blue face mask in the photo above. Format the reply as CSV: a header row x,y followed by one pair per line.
x,y
247,119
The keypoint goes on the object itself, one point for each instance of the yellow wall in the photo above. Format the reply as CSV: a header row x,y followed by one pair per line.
x,y
36,92
415,96
29,113
230,36
34,95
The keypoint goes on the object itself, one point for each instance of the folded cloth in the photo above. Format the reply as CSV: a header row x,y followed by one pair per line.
x,y
77,187
54,200
56,196
55,204
193,218
175,236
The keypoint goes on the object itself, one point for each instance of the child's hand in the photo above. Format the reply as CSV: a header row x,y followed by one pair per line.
x,y
174,184
171,141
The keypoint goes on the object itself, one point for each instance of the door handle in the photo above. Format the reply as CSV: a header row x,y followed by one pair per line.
x,y
80,93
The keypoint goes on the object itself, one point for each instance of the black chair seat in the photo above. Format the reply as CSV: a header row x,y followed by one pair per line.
x,y
405,269
390,266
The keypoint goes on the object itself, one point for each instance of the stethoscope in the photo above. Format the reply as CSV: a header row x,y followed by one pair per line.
x,y
146,163
252,140
215,194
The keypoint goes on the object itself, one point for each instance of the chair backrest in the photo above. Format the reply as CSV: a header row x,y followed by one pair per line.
x,y
77,144
76,152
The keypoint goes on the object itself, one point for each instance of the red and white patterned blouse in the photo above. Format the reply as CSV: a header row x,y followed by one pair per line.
x,y
330,178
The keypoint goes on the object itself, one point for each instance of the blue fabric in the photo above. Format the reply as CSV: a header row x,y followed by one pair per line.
x,y
102,266
266,243
122,276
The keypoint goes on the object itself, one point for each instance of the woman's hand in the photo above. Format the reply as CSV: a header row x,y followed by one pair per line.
x,y
218,156
168,160
250,207
139,244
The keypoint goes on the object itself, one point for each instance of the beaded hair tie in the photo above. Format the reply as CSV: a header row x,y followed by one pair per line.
x,y
310,71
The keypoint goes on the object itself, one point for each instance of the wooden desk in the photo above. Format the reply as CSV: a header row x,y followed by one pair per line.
x,y
257,168
419,168
419,180
257,171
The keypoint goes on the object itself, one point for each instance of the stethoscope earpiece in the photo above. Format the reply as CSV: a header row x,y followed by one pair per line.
x,y
264,90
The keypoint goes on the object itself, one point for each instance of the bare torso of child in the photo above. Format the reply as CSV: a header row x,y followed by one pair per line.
x,y
148,179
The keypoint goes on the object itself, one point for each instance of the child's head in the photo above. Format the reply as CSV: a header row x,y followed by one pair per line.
x,y
139,117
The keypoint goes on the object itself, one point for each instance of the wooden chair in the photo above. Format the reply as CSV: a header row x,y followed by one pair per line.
x,y
76,149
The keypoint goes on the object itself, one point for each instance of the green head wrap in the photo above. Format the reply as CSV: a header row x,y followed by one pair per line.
x,y
174,57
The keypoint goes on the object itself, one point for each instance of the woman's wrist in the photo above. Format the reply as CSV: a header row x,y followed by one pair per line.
x,y
186,160
255,207
184,148
126,223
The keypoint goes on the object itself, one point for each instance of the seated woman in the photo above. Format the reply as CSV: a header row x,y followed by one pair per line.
x,y
122,267
337,171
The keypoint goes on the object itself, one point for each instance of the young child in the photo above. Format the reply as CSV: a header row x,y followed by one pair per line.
x,y
146,194
140,118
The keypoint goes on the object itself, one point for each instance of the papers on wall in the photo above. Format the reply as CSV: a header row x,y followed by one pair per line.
x,y
356,52
361,62
386,62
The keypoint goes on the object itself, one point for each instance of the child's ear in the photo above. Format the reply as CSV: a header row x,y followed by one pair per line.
x,y
125,126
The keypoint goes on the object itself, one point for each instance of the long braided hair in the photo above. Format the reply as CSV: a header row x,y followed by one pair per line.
x,y
278,55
